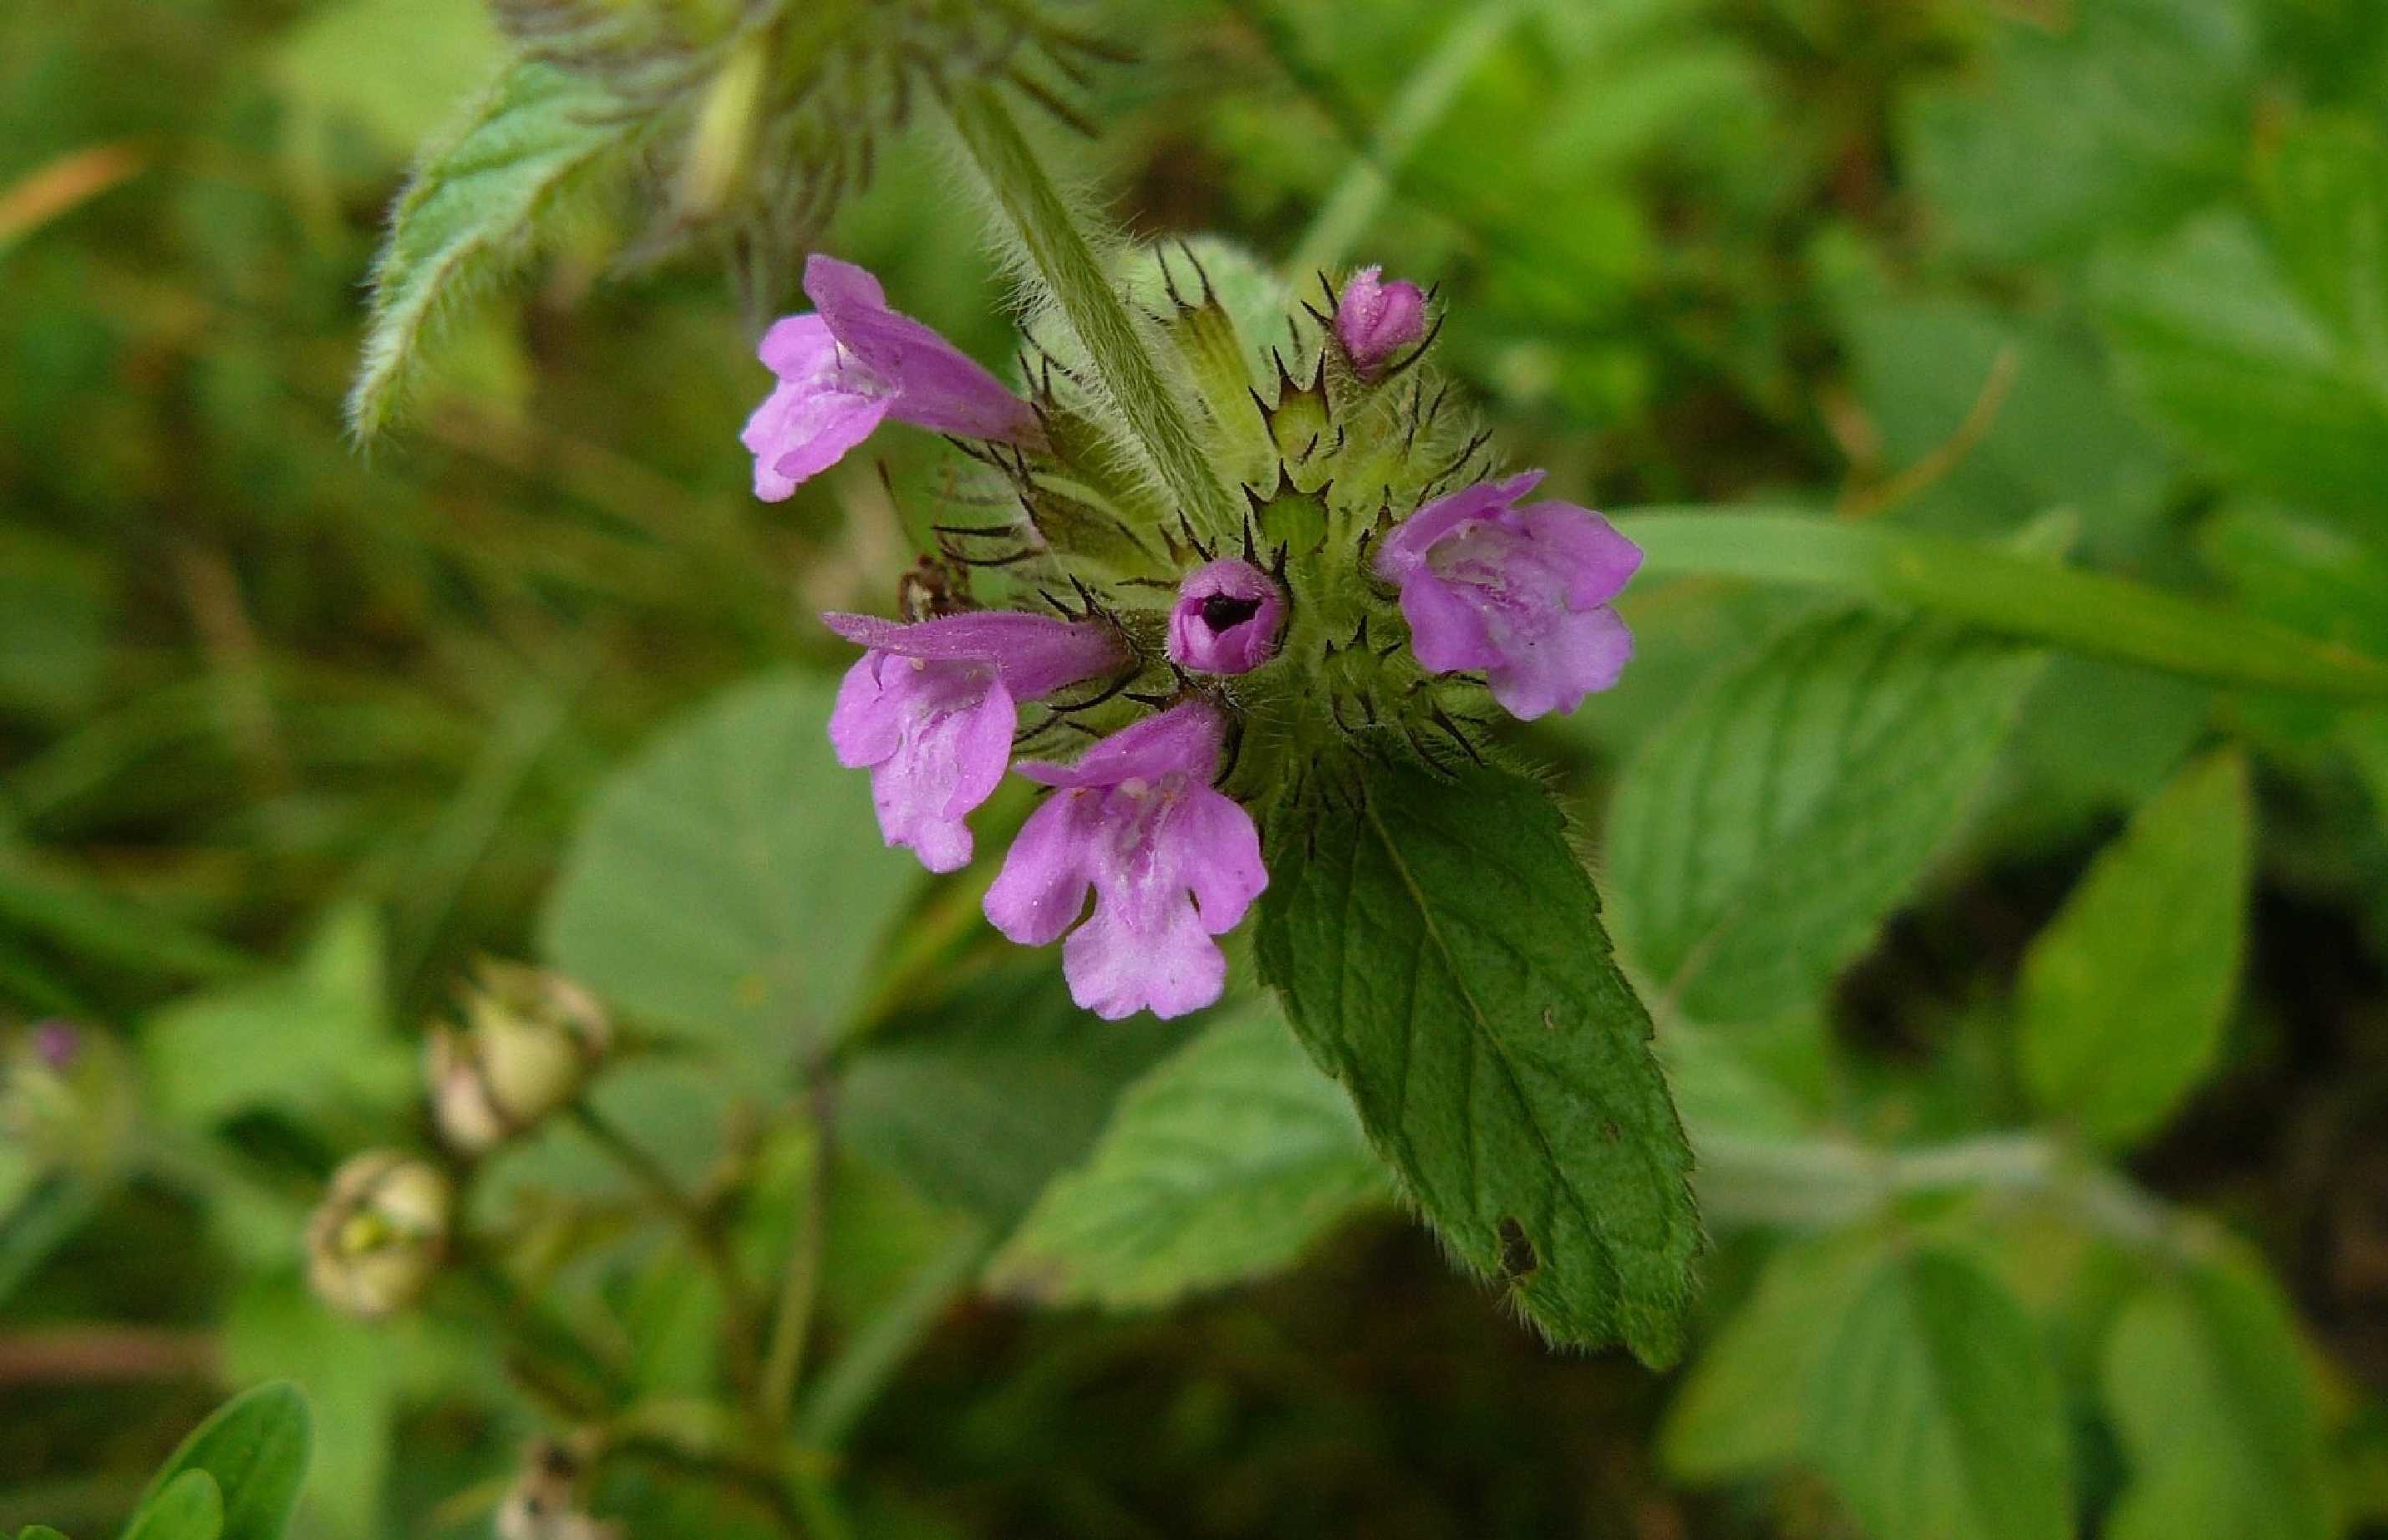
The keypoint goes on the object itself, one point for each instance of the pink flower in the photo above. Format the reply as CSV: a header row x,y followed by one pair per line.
x,y
854,363
1520,593
930,710
1172,862
1375,320
1227,619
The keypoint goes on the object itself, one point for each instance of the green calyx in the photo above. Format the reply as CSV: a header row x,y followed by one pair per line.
x,y
1314,465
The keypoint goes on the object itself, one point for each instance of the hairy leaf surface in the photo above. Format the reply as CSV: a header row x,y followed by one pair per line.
x,y
1439,949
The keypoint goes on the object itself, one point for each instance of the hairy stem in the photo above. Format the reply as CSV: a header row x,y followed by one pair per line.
x,y
1065,260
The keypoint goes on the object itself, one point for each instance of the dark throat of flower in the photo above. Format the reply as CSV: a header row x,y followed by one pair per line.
x,y
1223,612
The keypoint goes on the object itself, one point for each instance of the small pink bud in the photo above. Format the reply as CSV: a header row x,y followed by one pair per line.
x,y
1227,619
1375,320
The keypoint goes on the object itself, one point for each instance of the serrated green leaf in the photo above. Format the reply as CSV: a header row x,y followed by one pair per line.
x,y
730,882
981,1099
1225,1162
1934,1410
2123,997
188,1507
1437,947
474,210
1758,842
256,1447
2202,1376
1739,1412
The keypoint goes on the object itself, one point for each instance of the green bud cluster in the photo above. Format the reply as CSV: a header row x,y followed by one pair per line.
x,y
1318,463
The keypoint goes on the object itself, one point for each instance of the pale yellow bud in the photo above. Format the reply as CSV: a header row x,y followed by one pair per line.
x,y
380,1233
530,1042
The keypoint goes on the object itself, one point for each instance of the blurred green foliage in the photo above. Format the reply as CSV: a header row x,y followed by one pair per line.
x,y
2038,1076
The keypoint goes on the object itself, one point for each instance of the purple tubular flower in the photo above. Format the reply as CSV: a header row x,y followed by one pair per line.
x,y
854,363
1520,593
929,710
1172,862
1375,320
1227,619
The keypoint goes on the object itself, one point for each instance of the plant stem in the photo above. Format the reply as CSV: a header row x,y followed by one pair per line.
x,y
1049,233
849,1384
783,1361
739,1309
1424,98
1826,1183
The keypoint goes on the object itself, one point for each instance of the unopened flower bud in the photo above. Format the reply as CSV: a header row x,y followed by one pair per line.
x,y
545,1501
1227,619
1375,320
380,1233
65,1096
530,1041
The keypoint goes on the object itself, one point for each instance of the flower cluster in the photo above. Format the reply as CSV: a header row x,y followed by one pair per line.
x,y
1381,590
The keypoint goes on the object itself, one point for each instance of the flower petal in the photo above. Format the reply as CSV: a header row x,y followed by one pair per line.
x,y
1447,632
1598,561
1405,550
1586,651
1037,653
1184,738
1042,889
1218,853
1115,971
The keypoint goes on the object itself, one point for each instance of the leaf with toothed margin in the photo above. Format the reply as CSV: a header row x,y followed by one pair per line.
x,y
1758,840
476,208
1439,949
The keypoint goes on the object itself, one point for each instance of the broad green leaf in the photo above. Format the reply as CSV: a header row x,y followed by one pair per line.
x,y
474,210
730,882
1224,1162
2004,591
189,1507
1438,946
1934,1410
1758,842
1739,1412
2204,1376
292,1038
2120,114
979,1100
2213,333
2123,997
256,1447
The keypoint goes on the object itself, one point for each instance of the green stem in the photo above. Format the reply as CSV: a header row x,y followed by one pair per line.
x,y
1999,590
1827,1184
740,1312
1424,98
852,1380
1064,259
783,1361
